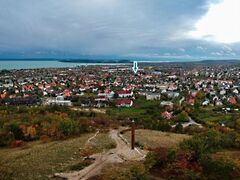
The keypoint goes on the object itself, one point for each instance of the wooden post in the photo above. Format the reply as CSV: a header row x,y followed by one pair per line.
x,y
133,135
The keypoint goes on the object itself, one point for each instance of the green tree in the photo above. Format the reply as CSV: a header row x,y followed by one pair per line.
x,y
183,117
237,124
67,127
179,128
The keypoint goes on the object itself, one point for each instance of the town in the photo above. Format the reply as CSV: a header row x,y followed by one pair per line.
x,y
118,86
174,106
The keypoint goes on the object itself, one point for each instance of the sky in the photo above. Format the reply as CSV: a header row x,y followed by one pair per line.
x,y
122,29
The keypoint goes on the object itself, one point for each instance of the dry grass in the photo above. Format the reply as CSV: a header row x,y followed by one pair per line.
x,y
40,161
233,156
154,139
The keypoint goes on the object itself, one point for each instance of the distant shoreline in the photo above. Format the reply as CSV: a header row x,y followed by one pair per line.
x,y
124,61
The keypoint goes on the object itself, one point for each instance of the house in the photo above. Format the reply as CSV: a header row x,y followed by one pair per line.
x,y
218,103
223,92
166,115
167,104
215,98
232,100
191,101
172,94
153,96
101,98
2,96
235,91
124,103
124,94
107,94
162,86
59,101
128,88
23,101
67,93
205,103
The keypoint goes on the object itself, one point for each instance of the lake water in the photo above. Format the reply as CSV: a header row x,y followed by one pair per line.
x,y
8,65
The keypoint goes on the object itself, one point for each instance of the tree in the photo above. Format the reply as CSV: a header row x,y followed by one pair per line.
x,y
179,128
67,127
15,129
237,124
183,117
200,95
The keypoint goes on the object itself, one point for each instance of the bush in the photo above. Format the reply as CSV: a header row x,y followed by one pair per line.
x,y
194,129
5,138
133,170
67,127
15,130
178,128
158,157
209,142
219,169
171,155
81,165
150,160
183,117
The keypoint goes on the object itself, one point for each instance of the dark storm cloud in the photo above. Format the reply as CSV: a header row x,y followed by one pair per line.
x,y
116,28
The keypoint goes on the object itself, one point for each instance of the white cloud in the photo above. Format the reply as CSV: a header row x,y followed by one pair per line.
x,y
201,48
182,49
216,54
227,48
220,24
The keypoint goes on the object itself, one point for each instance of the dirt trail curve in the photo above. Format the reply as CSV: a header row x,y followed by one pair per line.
x,y
120,154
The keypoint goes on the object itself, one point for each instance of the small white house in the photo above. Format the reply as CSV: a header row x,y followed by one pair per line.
x,y
153,96
205,103
235,91
223,92
59,101
219,103
166,103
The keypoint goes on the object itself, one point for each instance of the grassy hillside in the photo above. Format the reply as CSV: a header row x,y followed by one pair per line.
x,y
154,139
40,161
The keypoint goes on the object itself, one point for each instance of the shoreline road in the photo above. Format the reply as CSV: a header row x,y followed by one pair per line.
x,y
121,153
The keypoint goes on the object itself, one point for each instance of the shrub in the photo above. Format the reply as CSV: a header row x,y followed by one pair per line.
x,y
81,165
15,130
171,155
183,117
158,157
150,160
67,127
44,138
194,129
219,169
179,128
5,138
208,142
133,170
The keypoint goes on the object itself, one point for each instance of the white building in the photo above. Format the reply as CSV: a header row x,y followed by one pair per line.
x,y
59,101
153,96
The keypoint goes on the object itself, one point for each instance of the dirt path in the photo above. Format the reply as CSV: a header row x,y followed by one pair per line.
x,y
120,154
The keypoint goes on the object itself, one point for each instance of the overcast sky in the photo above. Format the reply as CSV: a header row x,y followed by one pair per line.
x,y
144,29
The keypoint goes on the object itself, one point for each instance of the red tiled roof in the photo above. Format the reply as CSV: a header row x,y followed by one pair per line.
x,y
232,100
124,92
123,102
